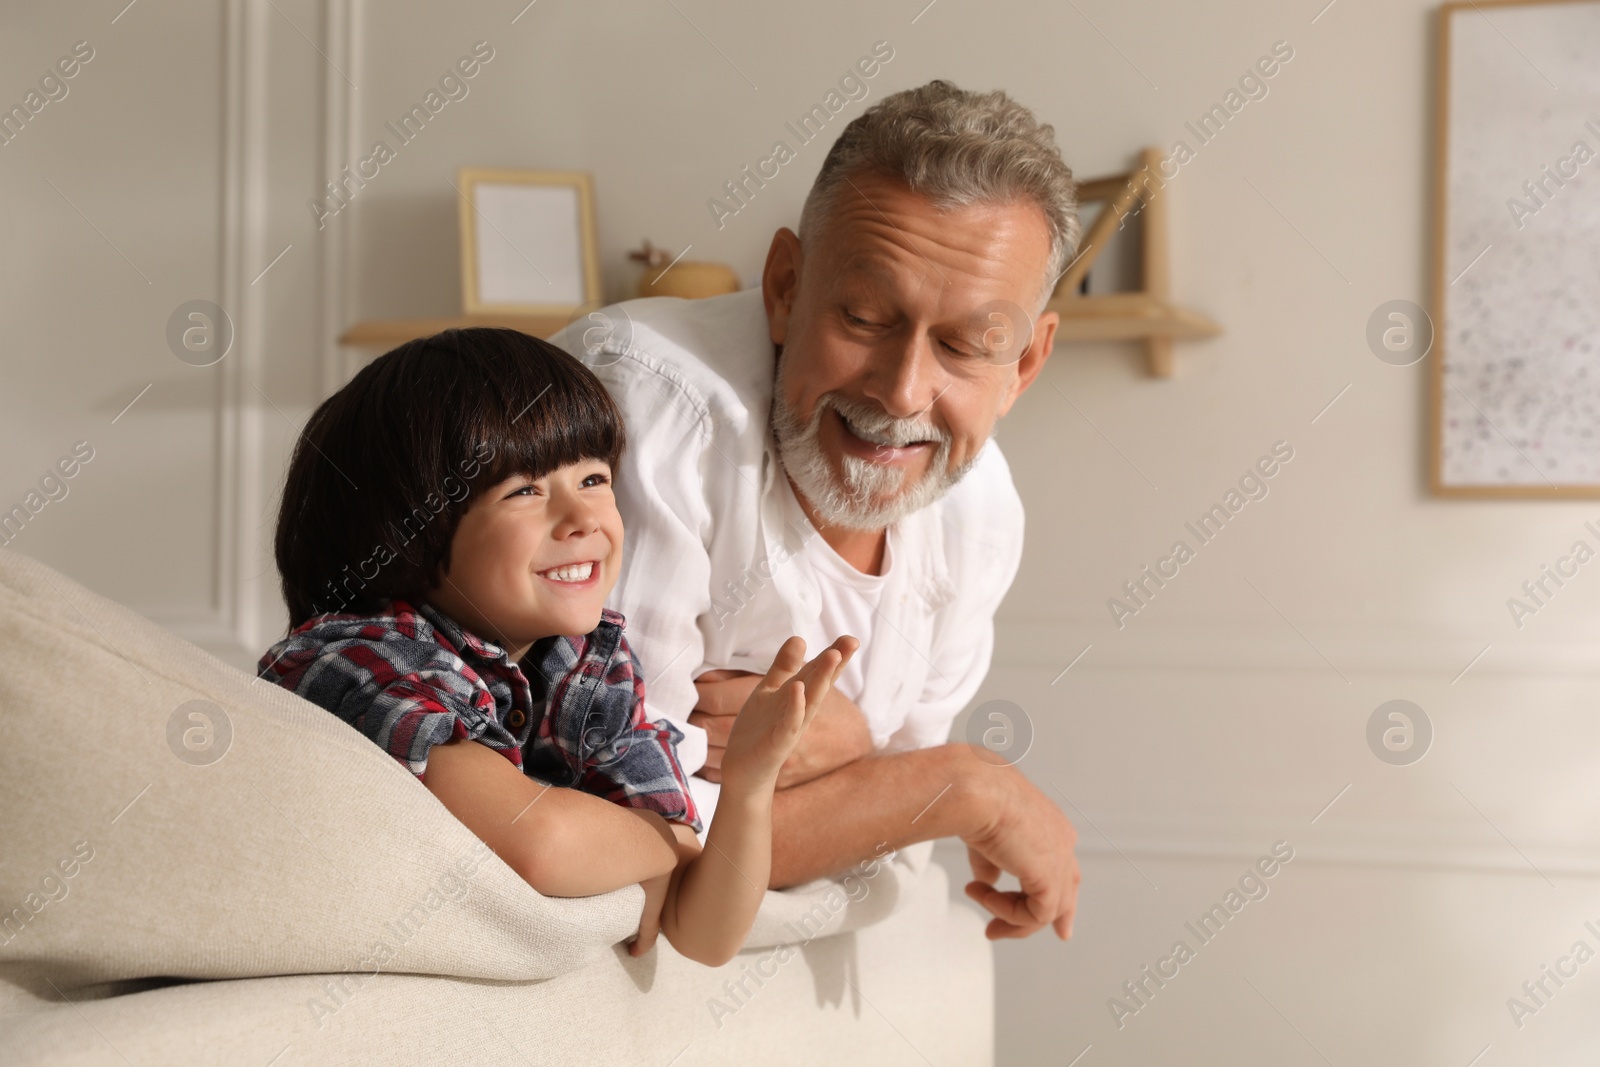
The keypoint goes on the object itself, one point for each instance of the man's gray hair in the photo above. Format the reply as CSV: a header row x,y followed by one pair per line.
x,y
957,148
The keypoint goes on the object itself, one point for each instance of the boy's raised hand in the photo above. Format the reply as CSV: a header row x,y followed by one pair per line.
x,y
780,707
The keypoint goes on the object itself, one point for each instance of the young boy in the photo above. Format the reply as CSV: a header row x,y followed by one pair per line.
x,y
446,541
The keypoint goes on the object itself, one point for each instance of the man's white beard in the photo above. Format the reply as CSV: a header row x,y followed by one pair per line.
x,y
874,495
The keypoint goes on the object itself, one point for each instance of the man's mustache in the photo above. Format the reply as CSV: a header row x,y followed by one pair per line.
x,y
900,432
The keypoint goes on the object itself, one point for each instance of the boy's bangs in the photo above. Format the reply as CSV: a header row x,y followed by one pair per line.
x,y
536,417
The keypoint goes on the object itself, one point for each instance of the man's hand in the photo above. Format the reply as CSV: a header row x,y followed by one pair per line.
x,y
1030,837
836,736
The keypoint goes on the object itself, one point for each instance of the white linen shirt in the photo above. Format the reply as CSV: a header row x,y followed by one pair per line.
x,y
717,573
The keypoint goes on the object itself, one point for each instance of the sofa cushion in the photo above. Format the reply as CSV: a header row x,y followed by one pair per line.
x,y
913,991
168,815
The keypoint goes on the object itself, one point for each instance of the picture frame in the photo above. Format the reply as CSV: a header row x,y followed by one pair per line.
x,y
1514,412
528,242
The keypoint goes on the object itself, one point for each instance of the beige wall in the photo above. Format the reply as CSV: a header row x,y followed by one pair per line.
x,y
1222,718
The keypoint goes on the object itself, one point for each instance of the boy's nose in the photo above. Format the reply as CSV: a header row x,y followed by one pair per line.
x,y
576,516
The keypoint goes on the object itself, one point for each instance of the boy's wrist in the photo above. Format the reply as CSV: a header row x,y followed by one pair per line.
x,y
738,784
745,801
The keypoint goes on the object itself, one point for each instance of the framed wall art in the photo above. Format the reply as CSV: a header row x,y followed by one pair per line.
x,y
1516,258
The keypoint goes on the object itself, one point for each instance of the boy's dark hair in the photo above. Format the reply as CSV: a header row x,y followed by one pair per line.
x,y
386,466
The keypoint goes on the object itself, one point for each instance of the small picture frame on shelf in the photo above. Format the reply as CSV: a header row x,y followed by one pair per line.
x,y
527,242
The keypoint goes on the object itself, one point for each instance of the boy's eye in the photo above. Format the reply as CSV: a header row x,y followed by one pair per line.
x,y
596,478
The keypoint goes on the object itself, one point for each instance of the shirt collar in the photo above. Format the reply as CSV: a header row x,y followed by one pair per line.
x,y
463,639
542,653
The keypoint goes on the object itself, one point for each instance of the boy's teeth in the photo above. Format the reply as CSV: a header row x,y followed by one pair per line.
x,y
578,572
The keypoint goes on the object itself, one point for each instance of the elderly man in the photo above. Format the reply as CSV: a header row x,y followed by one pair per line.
x,y
815,458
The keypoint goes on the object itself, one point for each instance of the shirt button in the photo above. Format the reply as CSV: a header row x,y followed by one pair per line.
x,y
516,719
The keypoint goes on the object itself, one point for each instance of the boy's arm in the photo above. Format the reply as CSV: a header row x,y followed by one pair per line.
x,y
711,908
547,834
661,892
715,896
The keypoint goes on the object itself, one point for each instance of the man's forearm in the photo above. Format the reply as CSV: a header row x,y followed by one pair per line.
x,y
840,819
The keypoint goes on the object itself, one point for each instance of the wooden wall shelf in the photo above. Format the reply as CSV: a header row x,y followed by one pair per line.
x,y
1129,317
1146,315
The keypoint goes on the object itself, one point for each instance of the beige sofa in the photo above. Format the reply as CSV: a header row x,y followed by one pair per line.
x,y
196,867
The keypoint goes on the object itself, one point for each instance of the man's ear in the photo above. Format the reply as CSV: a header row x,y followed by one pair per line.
x,y
1032,361
780,282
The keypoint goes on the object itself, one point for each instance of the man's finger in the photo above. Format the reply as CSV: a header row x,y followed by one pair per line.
x,y
983,868
724,692
717,727
706,698
1063,923
1046,898
999,928
1008,905
714,700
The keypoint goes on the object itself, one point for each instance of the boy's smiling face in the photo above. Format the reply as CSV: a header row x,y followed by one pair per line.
x,y
518,557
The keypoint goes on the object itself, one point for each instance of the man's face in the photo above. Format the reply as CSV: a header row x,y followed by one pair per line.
x,y
906,331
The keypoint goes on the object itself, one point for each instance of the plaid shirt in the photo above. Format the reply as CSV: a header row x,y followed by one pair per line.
x,y
412,678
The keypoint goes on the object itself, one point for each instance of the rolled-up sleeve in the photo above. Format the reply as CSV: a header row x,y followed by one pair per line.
x,y
638,764
640,769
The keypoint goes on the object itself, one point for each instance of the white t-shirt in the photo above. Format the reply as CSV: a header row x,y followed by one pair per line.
x,y
849,597
718,571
